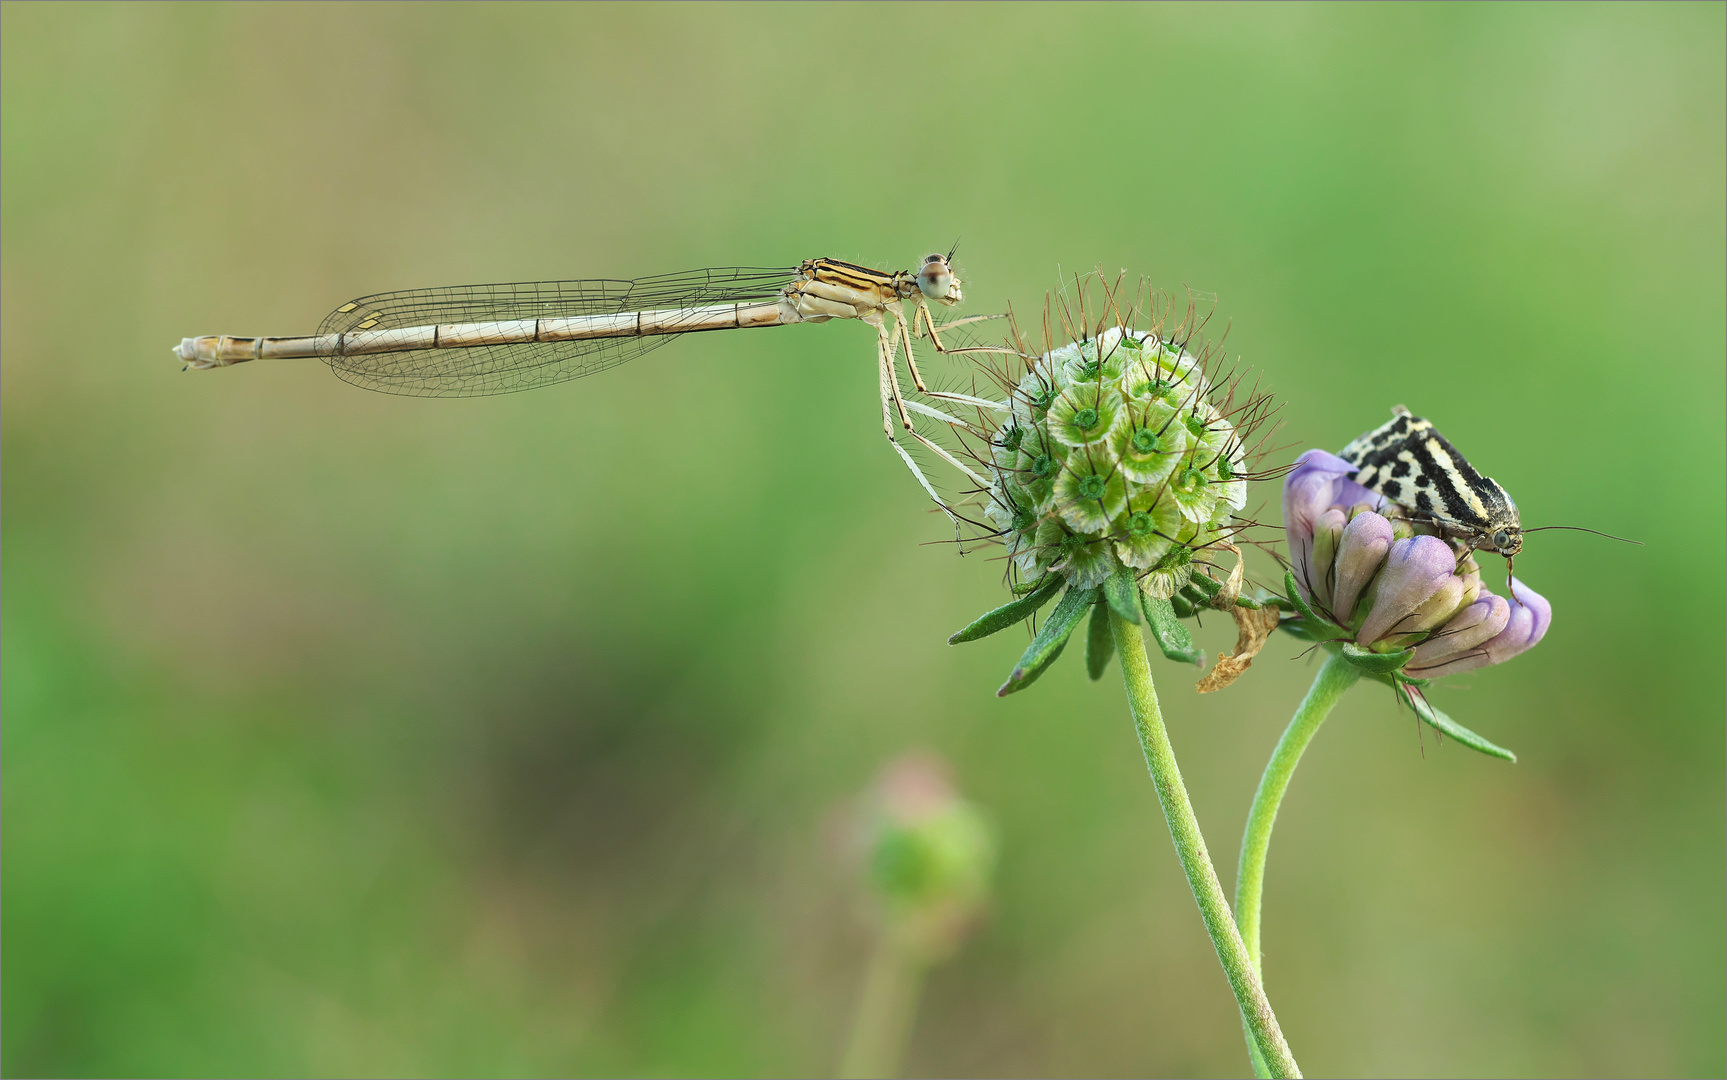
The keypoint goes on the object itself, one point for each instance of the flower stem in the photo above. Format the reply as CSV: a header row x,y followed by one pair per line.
x,y
886,1008
1335,676
1261,1022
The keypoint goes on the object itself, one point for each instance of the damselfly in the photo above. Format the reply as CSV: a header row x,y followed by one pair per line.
x,y
474,340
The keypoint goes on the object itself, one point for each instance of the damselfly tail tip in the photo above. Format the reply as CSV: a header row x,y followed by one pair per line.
x,y
193,357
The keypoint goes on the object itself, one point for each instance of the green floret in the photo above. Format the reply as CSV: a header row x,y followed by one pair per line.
x,y
1150,443
1085,413
1091,493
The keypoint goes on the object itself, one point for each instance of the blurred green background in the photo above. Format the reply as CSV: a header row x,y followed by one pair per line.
x,y
349,734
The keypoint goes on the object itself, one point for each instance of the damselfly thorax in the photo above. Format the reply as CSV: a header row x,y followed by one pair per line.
x,y
475,340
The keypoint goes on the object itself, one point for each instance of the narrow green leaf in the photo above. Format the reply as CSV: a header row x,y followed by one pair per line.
x,y
1300,629
1017,682
1204,586
1182,606
1009,613
1099,642
1047,645
1374,662
1172,637
1025,587
1317,623
1424,709
1119,591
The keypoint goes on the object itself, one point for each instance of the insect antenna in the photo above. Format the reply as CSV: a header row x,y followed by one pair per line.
x,y
1579,528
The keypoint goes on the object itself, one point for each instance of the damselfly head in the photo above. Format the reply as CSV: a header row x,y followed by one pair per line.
x,y
936,281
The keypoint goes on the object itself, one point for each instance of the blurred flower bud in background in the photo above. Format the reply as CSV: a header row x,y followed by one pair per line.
x,y
927,856
930,855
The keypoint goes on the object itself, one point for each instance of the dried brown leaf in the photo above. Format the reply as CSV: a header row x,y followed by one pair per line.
x,y
1252,627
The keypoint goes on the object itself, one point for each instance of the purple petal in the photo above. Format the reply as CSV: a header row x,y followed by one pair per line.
x,y
1318,482
1457,647
1327,532
1415,568
1306,495
1438,609
1530,616
1360,554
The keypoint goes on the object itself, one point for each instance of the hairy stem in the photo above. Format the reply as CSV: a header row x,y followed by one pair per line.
x,y
1266,1037
1335,676
886,1009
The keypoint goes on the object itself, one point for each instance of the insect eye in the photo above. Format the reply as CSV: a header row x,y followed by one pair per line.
x,y
1501,538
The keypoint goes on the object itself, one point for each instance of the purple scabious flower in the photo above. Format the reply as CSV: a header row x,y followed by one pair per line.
x,y
1389,588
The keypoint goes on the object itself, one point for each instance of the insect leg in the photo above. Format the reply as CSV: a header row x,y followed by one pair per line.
x,y
929,329
929,324
967,321
910,357
885,349
888,400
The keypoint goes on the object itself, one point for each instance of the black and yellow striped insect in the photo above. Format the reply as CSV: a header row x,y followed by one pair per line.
x,y
1409,462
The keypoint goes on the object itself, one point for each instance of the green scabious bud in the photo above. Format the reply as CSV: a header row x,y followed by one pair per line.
x,y
1113,457
1114,471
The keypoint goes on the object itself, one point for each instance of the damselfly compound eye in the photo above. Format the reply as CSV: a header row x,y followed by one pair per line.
x,y
936,281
